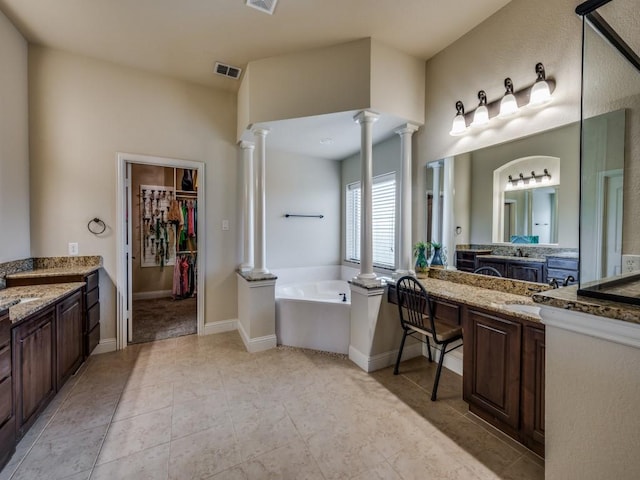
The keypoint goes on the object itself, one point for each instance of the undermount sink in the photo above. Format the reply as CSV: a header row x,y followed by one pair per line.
x,y
516,307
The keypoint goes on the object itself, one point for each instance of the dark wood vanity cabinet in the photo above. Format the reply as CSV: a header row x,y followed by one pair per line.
x,y
562,269
7,419
69,336
527,270
466,259
503,379
34,367
533,368
492,356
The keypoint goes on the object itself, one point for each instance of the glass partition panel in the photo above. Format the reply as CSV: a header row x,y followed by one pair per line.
x,y
610,153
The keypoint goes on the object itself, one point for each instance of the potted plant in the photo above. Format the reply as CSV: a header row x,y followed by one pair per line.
x,y
436,259
421,252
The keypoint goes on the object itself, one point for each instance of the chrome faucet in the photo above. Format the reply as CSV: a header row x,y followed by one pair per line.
x,y
567,280
344,296
553,283
520,252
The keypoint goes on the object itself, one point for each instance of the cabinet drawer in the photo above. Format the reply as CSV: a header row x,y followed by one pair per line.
x,y
7,440
92,297
92,340
560,275
446,313
6,399
563,263
92,281
93,317
5,361
5,331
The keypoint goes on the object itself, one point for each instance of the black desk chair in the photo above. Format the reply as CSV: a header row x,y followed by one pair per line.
x,y
417,319
488,271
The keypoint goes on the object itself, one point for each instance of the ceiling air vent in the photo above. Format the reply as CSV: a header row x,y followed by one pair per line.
x,y
266,6
227,70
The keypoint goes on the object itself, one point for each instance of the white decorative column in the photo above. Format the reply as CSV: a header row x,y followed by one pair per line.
x,y
247,205
260,246
436,235
366,120
448,217
404,251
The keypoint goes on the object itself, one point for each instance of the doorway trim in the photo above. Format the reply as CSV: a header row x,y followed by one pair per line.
x,y
123,293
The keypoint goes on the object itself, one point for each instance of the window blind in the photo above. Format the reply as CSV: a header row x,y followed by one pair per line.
x,y
383,220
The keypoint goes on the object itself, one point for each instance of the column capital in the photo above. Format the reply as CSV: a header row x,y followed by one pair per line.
x,y
260,131
437,164
407,128
246,145
366,116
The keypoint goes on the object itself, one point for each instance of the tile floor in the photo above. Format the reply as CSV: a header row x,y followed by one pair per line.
x,y
203,408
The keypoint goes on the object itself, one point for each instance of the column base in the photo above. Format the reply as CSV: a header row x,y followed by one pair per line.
x,y
246,267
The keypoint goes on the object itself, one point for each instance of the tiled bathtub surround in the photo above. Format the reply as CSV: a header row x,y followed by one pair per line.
x,y
204,408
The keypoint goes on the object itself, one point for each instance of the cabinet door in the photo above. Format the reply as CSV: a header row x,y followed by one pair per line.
x,y
69,323
498,265
533,365
34,367
492,366
529,271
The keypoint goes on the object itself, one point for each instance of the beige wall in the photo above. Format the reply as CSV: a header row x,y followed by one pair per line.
x,y
82,112
592,421
14,145
314,82
303,185
508,44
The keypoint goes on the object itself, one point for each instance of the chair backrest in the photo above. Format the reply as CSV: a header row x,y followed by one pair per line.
x,y
413,304
488,271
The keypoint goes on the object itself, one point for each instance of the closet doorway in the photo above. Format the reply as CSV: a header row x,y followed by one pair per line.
x,y
162,219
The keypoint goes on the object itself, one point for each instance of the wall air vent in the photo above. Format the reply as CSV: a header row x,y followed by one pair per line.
x,y
266,6
227,70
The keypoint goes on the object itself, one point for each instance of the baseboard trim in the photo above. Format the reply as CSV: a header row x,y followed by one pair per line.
x,y
151,295
383,360
257,344
105,345
221,326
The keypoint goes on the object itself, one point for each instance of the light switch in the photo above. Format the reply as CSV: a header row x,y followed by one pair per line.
x,y
225,224
73,248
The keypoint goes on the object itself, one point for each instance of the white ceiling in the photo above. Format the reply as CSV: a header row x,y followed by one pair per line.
x,y
184,38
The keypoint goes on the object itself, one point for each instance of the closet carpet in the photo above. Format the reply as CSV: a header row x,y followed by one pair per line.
x,y
161,318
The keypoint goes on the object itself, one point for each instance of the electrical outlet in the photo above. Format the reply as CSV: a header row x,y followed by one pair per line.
x,y
630,263
73,248
225,224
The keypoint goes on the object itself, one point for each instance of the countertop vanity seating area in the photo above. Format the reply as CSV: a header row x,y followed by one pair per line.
x,y
504,341
49,325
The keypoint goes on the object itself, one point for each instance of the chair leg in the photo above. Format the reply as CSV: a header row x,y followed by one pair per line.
x,y
438,371
429,349
404,337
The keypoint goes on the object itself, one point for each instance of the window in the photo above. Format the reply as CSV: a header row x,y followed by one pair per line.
x,y
384,220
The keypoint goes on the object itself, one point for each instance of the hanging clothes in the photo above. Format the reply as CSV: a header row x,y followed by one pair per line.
x,y
192,220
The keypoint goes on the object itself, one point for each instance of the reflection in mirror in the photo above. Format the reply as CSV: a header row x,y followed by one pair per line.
x,y
531,212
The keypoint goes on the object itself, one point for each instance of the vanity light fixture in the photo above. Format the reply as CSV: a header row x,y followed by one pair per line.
x,y
531,181
508,104
537,95
459,125
540,92
481,115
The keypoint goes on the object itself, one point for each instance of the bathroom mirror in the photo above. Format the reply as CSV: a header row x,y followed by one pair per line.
x,y
532,212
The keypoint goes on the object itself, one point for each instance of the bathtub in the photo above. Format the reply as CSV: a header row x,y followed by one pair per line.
x,y
314,315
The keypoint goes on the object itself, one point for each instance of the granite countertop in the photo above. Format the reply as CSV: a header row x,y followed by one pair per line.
x,y
568,299
493,300
37,297
473,250
513,257
79,270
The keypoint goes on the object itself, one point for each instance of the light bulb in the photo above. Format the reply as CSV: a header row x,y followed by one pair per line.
x,y
481,115
540,92
521,181
508,104
459,125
